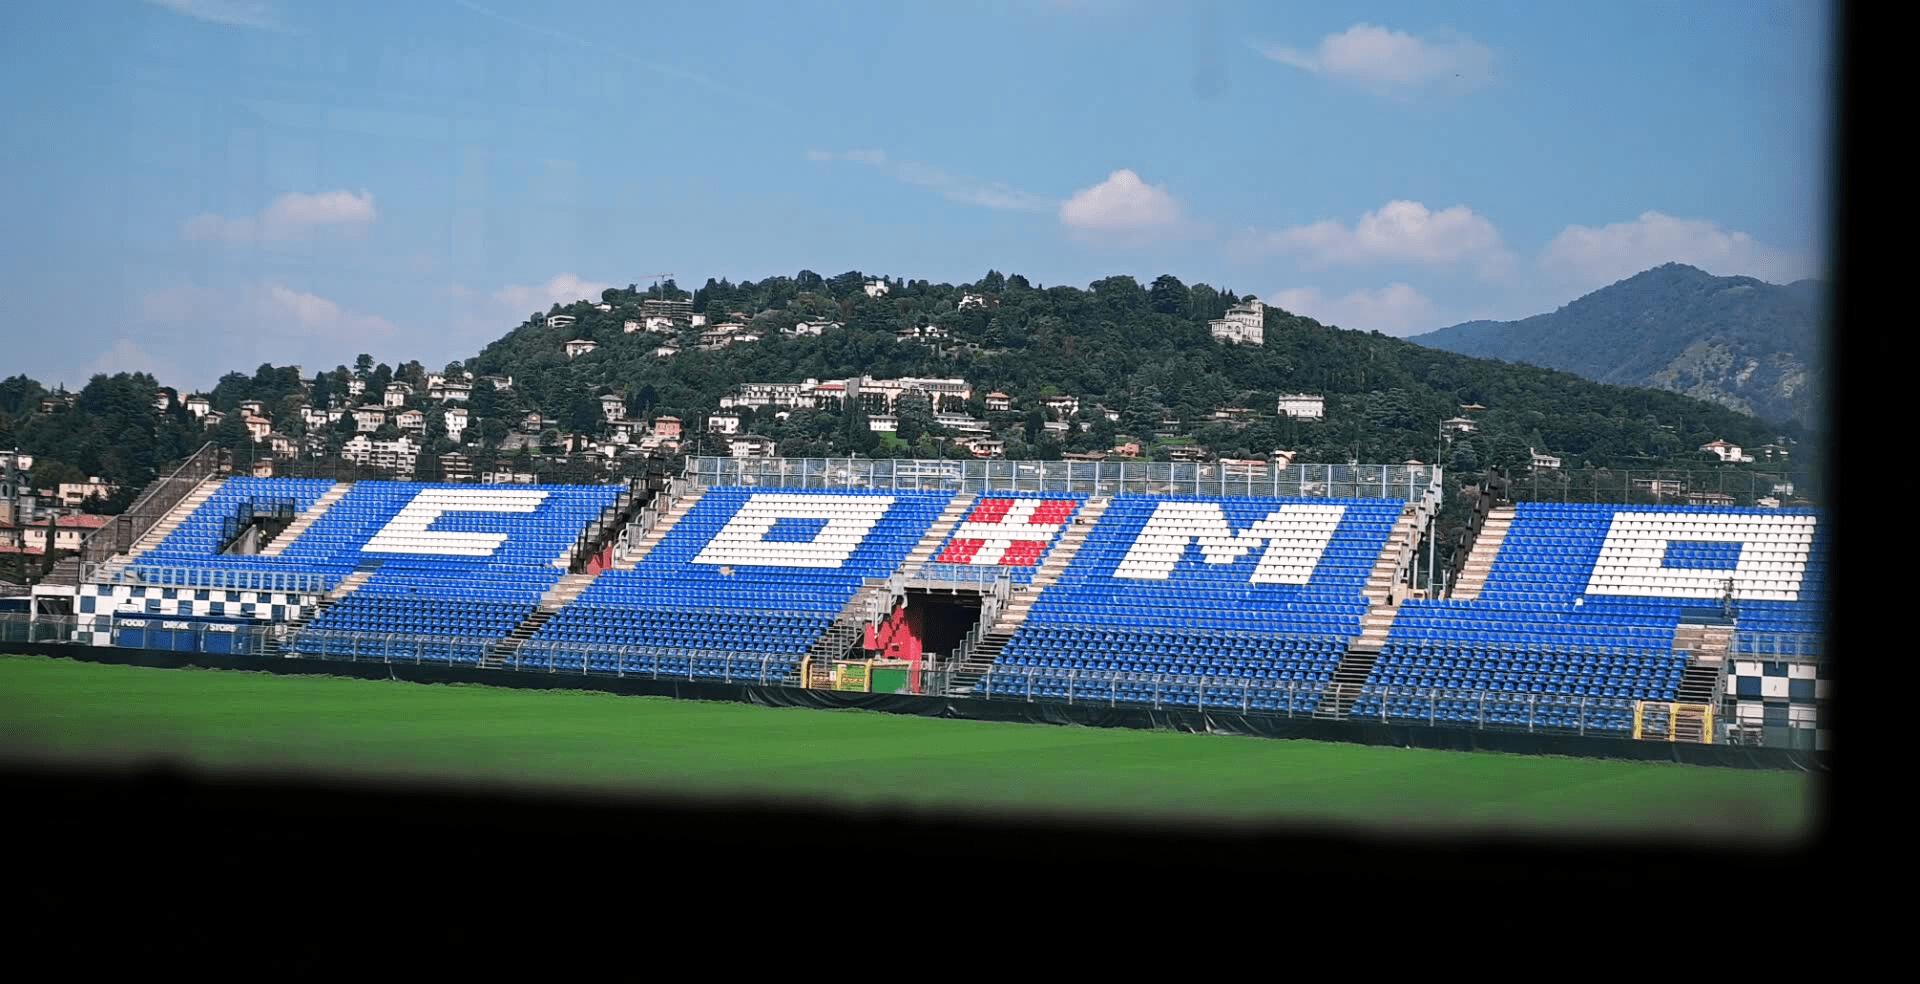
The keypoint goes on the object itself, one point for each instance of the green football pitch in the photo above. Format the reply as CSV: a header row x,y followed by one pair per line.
x,y
216,721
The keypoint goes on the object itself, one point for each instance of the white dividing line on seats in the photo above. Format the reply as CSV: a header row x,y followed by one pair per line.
x,y
407,532
1296,536
1773,556
743,541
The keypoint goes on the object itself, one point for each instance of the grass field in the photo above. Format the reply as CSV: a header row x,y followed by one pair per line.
x,y
214,720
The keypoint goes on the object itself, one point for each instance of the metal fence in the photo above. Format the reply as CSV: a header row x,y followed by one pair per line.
x,y
1400,482
118,536
1725,486
236,579
1791,647
1480,709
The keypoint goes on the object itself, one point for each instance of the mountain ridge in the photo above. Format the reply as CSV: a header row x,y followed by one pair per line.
x,y
1737,341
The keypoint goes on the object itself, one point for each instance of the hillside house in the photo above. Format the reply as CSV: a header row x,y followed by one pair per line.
x,y
750,446
666,428
561,321
580,346
723,423
456,423
999,402
1245,324
411,421
1729,453
258,427
198,406
1302,406
397,394
1544,460
884,423
613,407
369,418
1459,425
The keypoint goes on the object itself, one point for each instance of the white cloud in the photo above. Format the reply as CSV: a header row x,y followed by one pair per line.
x,y
241,13
236,328
291,216
1393,61
1122,209
562,289
1591,258
1401,232
953,187
1396,309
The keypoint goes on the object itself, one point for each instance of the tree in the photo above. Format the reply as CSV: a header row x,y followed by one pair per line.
x,y
1169,295
362,365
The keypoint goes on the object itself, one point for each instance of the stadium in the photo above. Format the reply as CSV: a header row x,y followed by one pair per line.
x,y
1268,602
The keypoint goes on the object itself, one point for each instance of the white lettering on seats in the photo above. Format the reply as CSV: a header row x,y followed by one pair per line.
x,y
407,532
1771,565
1296,537
743,542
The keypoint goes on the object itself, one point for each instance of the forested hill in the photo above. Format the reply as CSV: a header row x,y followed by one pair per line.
x,y
1740,342
1143,352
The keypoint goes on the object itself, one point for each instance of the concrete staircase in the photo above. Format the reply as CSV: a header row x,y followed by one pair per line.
x,y
1356,664
937,534
185,508
306,519
348,585
848,629
665,525
992,641
563,593
1383,584
1479,562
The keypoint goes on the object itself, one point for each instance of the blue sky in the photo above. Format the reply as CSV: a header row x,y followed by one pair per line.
x,y
197,186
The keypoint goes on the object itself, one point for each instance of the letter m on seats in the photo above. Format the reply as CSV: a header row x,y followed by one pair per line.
x,y
1294,538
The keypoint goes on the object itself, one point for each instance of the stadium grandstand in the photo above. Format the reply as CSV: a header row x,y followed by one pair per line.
x,y
1291,592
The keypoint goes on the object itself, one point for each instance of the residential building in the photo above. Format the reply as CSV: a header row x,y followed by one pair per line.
x,y
68,532
876,288
812,327
198,405
723,423
999,401
1232,415
666,428
162,400
603,306
533,423
451,389
1302,406
750,446
792,395
972,301
72,494
498,382
1065,406
1281,459
1058,428
960,423
884,423
456,467
580,346
214,418
397,455
1245,324
258,428
1727,452
283,446
983,447
1709,499
1544,460
613,407
397,394
455,420
356,387
1459,425
673,311
666,351
633,326
253,408
369,418
1660,487
561,321
411,421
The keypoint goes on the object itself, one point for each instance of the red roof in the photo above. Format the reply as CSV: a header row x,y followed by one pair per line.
x,y
82,521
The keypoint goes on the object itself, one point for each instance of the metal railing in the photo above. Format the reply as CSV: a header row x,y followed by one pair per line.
x,y
1421,706
1084,477
153,505
1726,485
236,579
1790,647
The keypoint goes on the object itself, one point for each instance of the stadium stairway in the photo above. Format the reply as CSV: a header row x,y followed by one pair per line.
x,y
306,519
937,534
1479,562
661,527
276,642
179,514
562,594
869,605
975,662
1356,665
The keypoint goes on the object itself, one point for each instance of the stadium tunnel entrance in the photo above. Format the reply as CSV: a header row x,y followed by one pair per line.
x,y
931,623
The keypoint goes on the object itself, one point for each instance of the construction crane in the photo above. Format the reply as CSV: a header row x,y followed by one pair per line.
x,y
659,278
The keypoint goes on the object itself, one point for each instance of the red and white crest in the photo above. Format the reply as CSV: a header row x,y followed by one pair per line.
x,y
1008,532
